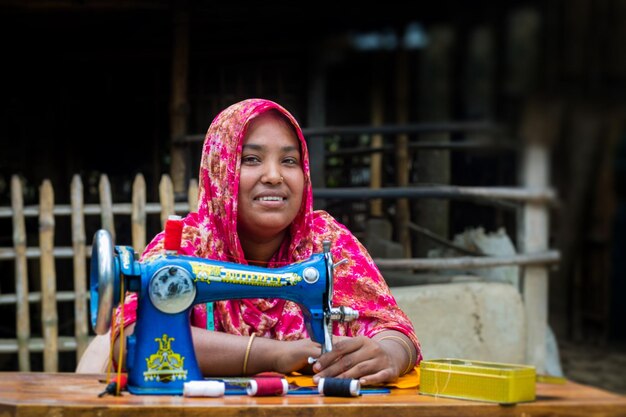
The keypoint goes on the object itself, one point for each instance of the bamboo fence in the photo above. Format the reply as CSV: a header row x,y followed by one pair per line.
x,y
535,259
49,342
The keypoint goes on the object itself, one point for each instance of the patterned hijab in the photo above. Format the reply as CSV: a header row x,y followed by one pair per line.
x,y
211,232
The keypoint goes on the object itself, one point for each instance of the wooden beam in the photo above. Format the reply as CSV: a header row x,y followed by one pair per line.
x,y
540,259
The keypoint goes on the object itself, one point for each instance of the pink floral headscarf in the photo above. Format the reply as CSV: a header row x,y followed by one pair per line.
x,y
211,232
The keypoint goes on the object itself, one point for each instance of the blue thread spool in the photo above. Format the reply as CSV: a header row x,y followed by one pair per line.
x,y
339,387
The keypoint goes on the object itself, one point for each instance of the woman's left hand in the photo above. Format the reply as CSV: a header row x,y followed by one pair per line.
x,y
360,358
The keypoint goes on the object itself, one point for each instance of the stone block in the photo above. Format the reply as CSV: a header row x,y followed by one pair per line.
x,y
475,320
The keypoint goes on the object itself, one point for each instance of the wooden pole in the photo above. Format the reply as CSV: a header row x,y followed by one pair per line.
x,y
535,278
434,105
49,318
21,274
316,115
403,210
376,160
80,267
179,105
539,129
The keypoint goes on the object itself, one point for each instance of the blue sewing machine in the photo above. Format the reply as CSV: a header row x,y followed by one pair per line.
x,y
160,355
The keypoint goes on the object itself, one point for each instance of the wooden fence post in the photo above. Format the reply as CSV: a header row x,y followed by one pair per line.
x,y
138,216
106,205
166,195
21,274
49,318
80,267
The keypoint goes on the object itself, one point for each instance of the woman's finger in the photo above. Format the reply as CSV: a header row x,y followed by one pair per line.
x,y
382,376
341,348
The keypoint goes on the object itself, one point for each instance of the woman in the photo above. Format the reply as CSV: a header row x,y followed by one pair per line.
x,y
256,207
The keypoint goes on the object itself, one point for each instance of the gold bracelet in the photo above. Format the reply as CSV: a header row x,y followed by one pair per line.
x,y
407,348
245,359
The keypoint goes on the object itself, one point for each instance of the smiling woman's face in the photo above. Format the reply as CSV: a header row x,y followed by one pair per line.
x,y
271,181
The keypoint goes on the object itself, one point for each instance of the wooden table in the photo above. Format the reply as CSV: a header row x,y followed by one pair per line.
x,y
68,394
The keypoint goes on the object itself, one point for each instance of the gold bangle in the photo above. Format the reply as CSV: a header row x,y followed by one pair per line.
x,y
406,347
245,359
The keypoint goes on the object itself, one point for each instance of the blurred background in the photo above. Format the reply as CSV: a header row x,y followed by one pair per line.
x,y
121,88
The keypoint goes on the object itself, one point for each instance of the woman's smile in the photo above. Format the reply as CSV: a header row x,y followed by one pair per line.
x,y
271,197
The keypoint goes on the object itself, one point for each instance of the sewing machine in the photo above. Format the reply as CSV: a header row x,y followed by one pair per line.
x,y
160,355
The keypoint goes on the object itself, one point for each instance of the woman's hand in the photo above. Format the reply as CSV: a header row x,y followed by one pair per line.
x,y
370,361
292,356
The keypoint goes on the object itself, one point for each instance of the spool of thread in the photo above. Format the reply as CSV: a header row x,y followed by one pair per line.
x,y
204,389
173,234
339,387
260,387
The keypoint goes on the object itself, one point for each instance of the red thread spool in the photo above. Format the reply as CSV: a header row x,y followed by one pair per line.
x,y
259,387
122,379
173,233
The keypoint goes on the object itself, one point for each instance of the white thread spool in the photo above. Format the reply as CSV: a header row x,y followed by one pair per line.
x,y
204,389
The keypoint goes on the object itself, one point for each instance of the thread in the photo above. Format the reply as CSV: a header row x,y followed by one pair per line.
x,y
204,389
173,234
339,387
260,387
443,390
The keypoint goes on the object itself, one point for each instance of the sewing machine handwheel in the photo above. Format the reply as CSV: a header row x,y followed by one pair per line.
x,y
102,281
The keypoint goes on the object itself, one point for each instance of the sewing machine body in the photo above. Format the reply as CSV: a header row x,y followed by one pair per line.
x,y
160,354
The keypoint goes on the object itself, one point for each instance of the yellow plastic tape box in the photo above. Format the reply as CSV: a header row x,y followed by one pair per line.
x,y
475,380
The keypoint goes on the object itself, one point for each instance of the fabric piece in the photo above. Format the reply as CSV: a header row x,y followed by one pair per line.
x,y
409,380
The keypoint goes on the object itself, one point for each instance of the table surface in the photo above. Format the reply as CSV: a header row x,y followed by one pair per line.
x,y
69,394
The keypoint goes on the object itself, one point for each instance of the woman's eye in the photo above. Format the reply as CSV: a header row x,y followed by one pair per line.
x,y
290,161
250,159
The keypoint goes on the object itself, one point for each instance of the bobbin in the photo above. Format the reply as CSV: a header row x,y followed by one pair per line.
x,y
173,234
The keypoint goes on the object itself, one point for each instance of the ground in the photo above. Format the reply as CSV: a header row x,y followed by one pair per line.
x,y
601,366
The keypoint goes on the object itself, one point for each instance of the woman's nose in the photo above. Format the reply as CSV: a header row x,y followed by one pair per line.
x,y
272,176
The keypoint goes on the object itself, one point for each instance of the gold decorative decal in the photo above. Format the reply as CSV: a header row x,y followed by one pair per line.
x,y
207,273
165,365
